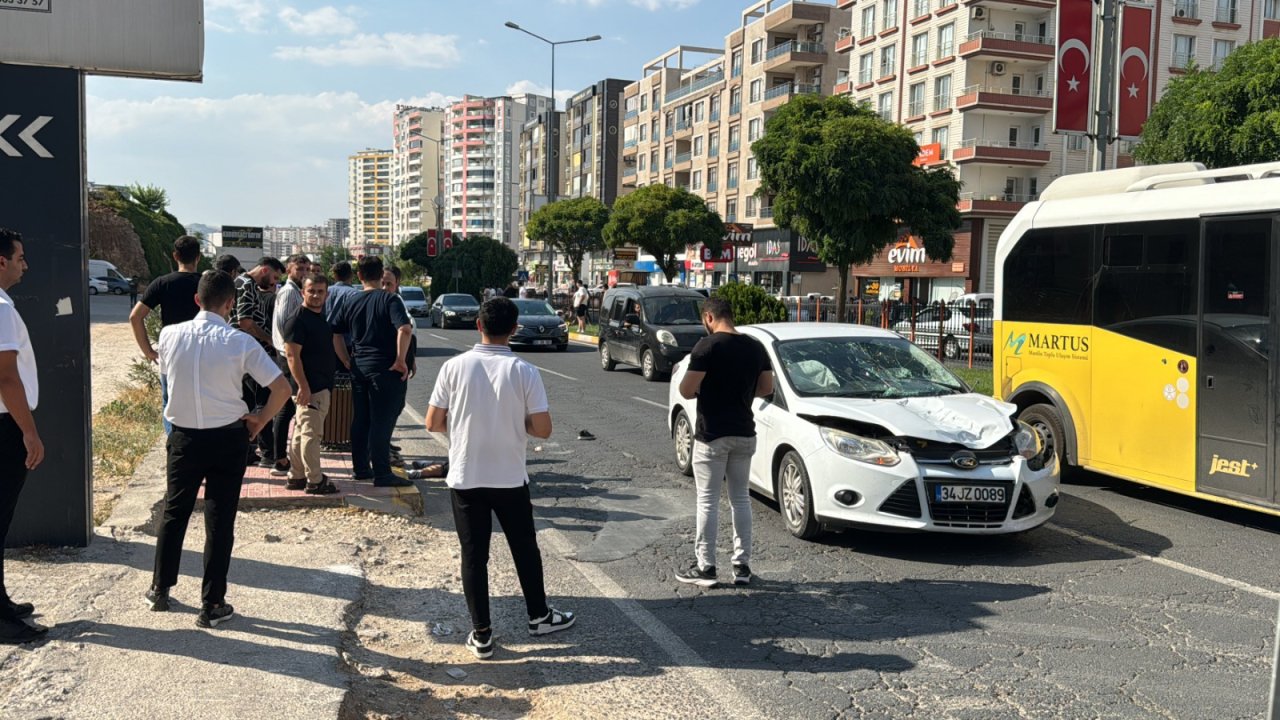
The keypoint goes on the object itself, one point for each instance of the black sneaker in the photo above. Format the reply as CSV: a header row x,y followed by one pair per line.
x,y
158,599
294,483
280,468
694,575
17,632
16,611
267,463
553,621
480,644
211,617
741,573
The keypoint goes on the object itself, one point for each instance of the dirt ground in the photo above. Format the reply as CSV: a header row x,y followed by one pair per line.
x,y
112,349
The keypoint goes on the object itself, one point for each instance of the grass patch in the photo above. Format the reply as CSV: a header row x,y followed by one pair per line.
x,y
123,432
980,379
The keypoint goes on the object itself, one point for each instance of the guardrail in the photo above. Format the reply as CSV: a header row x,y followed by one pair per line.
x,y
1014,37
693,87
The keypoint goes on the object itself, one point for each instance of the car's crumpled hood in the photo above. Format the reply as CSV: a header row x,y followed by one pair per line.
x,y
972,420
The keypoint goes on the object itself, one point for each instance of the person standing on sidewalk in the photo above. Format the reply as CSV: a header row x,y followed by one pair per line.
x,y
175,294
340,290
381,332
312,361
288,302
20,446
727,371
580,299
490,402
249,314
206,360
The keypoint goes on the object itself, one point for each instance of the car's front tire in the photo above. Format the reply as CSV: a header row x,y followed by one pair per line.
x,y
795,497
649,366
117,291
682,436
93,290
607,363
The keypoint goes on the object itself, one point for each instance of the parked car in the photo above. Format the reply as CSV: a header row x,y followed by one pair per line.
x,y
415,300
866,429
454,309
117,285
653,327
539,326
954,324
97,285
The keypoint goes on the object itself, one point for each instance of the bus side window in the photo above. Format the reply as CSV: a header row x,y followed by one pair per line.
x,y
1049,276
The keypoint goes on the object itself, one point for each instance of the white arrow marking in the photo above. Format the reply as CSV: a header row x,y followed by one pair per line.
x,y
28,136
5,147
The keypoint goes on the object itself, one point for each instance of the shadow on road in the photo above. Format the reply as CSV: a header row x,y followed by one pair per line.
x,y
1176,501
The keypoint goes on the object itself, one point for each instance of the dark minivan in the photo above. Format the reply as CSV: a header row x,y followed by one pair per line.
x,y
651,327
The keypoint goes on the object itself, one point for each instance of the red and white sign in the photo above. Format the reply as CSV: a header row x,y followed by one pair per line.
x,y
1133,101
432,248
928,154
722,255
448,239
1074,67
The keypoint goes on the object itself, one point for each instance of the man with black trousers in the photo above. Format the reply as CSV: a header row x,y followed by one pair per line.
x,y
20,446
250,315
381,332
490,402
206,360
288,302
175,295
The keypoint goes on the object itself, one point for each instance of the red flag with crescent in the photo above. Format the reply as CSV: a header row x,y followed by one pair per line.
x,y
448,239
1074,66
431,243
1133,102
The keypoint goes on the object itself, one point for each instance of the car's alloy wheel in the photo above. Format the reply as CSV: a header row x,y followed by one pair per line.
x,y
683,437
116,291
795,497
93,290
606,360
951,348
648,367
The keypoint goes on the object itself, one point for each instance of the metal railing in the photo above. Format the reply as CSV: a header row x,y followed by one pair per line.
x,y
630,114
799,46
887,68
946,50
843,33
941,102
789,88
671,130
766,212
714,150
864,76
1021,92
713,116
1014,144
1015,37
919,57
998,197
735,108
1182,60
712,186
683,125
693,87
733,145
668,162
629,171
733,183
915,107
683,157
630,143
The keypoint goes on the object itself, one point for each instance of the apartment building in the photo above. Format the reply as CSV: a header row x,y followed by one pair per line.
x,y
974,82
369,197
416,170
337,230
538,180
691,118
481,164
281,242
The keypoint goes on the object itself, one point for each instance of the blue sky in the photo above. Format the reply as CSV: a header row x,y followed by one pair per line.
x,y
292,87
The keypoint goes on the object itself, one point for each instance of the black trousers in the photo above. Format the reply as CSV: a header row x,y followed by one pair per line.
x,y
255,397
13,474
215,457
280,423
473,512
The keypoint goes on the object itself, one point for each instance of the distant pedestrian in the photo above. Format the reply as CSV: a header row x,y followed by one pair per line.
x,y
511,291
727,371
524,290
250,315
206,360
20,446
381,332
287,304
229,264
175,295
580,299
490,402
312,362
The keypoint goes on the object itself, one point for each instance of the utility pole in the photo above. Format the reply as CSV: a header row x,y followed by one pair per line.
x,y
1105,113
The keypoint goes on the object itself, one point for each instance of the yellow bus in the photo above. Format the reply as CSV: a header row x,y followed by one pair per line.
x,y
1134,322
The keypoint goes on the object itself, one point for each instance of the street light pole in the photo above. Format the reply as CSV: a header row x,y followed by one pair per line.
x,y
438,200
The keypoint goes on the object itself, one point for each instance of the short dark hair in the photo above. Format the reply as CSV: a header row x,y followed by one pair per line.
x,y
8,242
394,270
718,308
272,263
498,317
342,271
297,259
215,289
316,278
370,268
187,248
229,264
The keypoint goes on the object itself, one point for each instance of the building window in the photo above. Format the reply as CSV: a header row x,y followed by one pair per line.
x,y
756,89
921,8
757,51
736,64
890,14
697,146
734,138
888,60
919,49
713,175
866,68
942,93
715,107
752,171
644,103
751,206
653,161
731,176
643,135
697,180
1271,9
1226,11
946,40
641,165
698,115
656,99
940,137
713,144
915,100
1076,142
653,130
731,210
869,21
918,137
1184,50
884,106
1221,49
753,130
735,101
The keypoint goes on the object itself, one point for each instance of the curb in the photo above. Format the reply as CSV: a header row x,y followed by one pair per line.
x,y
140,501
584,339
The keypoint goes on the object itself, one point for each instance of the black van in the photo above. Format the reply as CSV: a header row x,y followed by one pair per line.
x,y
652,327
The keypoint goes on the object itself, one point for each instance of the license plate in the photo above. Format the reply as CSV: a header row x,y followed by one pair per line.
x,y
541,342
968,494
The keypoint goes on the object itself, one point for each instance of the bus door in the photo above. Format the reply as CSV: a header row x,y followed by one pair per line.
x,y
1236,407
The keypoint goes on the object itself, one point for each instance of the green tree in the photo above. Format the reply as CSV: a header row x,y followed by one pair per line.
x,y
846,179
574,227
483,262
153,199
752,303
415,251
662,221
156,229
1223,118
331,255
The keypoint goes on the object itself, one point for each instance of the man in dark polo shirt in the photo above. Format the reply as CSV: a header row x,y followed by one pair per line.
x,y
175,295
308,344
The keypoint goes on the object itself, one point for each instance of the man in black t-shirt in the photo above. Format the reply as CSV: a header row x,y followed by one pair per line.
x,y
175,294
308,342
380,333
727,371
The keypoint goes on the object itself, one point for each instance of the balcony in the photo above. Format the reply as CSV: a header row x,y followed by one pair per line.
x,y
1017,46
766,212
631,114
794,54
630,143
793,16
682,161
992,204
779,95
845,40
1003,100
684,128
733,183
671,130
693,87
1001,152
844,87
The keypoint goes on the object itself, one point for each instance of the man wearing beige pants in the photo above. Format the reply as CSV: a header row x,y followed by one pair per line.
x,y
312,362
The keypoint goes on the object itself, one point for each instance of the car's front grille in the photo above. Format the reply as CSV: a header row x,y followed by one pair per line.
x,y
1026,504
968,514
904,501
937,453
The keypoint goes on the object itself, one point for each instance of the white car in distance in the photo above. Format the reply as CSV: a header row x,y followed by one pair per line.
x,y
865,429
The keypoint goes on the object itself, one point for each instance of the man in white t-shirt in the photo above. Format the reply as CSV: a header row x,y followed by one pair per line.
x,y
490,402
580,299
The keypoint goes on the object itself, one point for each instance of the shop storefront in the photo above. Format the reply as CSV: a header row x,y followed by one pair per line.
x,y
902,271
782,262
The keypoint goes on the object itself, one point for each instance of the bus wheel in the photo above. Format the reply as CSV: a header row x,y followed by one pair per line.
x,y
1048,422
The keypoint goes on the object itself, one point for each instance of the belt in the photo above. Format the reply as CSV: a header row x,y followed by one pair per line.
x,y
237,425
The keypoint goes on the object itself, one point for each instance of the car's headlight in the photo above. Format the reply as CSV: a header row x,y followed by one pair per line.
x,y
450,312
860,448
1027,441
519,327
563,326
666,338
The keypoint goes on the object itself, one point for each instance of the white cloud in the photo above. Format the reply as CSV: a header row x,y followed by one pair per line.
x,y
520,87
327,20
233,15
391,49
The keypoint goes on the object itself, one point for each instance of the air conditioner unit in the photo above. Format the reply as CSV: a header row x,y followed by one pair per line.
x,y
1180,12
979,14
997,68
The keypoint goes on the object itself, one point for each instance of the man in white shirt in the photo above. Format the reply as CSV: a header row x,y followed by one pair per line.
x,y
205,361
20,446
580,299
287,304
490,402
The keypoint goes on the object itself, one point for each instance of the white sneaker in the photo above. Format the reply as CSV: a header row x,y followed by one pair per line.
x,y
553,621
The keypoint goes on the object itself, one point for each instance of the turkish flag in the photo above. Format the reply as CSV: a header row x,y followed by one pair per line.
x,y
1133,102
1074,66
431,243
448,239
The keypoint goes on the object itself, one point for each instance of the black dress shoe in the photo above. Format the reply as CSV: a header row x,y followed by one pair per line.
x,y
16,611
16,632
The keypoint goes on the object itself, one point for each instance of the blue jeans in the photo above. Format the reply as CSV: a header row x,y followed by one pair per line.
x,y
377,399
164,403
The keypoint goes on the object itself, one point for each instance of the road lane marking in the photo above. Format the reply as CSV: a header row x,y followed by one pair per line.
x,y
660,406
553,372
439,337
1173,564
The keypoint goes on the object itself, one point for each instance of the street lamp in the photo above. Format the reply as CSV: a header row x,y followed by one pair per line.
x,y
552,191
438,200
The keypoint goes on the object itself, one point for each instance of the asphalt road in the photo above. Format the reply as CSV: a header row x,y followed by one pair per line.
x,y
1131,603
109,308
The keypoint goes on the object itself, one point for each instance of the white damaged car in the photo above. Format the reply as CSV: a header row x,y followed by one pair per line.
x,y
866,429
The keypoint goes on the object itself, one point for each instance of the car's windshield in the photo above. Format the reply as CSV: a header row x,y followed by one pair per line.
x,y
533,307
864,367
412,294
457,300
673,310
